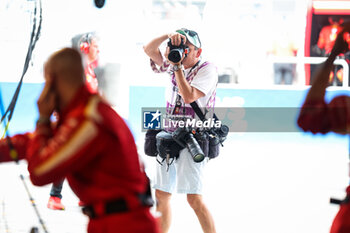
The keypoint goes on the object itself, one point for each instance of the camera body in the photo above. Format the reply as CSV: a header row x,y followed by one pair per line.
x,y
188,138
176,52
218,134
167,147
185,137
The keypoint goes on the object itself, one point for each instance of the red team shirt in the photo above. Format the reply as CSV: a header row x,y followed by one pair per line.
x,y
91,80
327,37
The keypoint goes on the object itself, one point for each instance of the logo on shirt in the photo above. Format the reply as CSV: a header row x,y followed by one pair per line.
x,y
152,119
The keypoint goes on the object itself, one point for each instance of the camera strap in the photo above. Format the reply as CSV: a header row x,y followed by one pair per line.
x,y
199,113
197,110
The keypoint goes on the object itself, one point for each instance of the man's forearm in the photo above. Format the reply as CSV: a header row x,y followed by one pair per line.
x,y
185,88
321,79
187,92
152,49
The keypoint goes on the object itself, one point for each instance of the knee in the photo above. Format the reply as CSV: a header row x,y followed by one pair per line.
x,y
195,201
162,197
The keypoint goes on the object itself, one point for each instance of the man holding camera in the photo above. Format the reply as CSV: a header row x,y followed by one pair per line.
x,y
191,80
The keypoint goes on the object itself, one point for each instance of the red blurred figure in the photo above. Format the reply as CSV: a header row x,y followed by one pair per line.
x,y
91,146
88,46
328,35
318,116
325,44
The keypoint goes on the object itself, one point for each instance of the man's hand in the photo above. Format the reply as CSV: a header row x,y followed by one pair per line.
x,y
47,100
176,38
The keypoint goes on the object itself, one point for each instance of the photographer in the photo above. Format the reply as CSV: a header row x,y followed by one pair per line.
x,y
91,146
191,79
317,116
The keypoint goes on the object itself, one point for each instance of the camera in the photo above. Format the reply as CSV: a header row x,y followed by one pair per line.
x,y
167,147
185,138
176,52
218,135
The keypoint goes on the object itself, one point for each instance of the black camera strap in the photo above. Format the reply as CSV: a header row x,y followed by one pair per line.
x,y
199,113
197,110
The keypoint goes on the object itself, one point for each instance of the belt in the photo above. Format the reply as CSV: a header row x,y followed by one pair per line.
x,y
115,206
340,202
111,207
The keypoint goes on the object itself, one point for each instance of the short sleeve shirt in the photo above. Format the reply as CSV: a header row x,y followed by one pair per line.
x,y
203,76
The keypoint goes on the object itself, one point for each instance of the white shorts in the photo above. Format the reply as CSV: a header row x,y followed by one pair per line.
x,y
183,175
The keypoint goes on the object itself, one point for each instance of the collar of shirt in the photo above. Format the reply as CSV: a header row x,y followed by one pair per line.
x,y
81,97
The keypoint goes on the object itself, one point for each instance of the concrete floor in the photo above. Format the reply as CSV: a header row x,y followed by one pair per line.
x,y
278,183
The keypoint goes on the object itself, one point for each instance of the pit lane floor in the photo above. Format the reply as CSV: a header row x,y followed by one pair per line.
x,y
278,183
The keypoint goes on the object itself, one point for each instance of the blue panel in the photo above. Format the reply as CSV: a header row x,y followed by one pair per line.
x,y
141,97
25,113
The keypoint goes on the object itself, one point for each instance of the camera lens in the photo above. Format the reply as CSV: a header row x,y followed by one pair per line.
x,y
224,130
198,158
175,55
99,3
194,148
185,138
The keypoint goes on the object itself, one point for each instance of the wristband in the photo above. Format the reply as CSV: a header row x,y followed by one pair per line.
x,y
177,67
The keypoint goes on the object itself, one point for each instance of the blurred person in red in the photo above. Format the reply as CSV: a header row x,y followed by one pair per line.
x,y
87,44
318,116
328,34
91,146
324,46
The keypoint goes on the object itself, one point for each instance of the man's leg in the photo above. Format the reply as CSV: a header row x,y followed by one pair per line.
x,y
277,73
56,189
202,212
289,74
163,206
56,196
